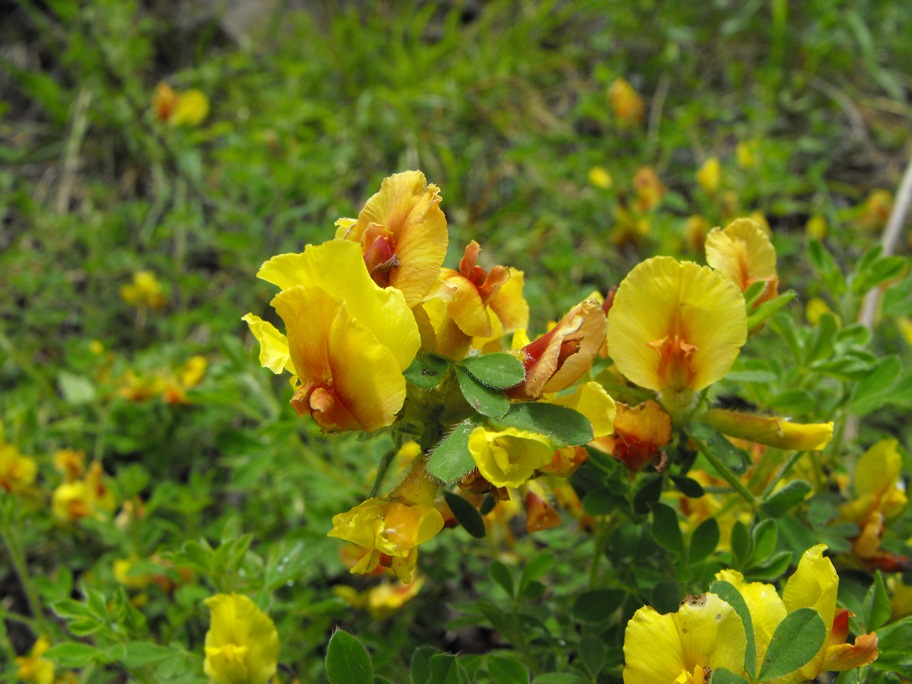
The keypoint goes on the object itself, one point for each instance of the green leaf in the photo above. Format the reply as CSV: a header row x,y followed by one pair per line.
x,y
560,678
665,528
796,401
427,370
796,640
535,569
497,370
783,500
508,670
740,543
688,486
593,654
501,574
71,655
647,494
728,593
445,669
602,502
421,664
140,653
467,515
893,652
486,401
759,315
75,389
821,342
725,451
597,605
666,596
564,426
451,459
722,676
897,299
870,393
876,604
347,661
759,376
763,539
704,540
826,266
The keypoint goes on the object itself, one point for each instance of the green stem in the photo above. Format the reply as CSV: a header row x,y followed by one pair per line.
x,y
726,474
382,469
17,555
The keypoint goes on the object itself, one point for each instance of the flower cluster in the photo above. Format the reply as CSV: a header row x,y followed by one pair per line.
x,y
379,335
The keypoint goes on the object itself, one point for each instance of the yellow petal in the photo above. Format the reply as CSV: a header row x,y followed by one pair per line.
x,y
337,267
764,604
771,430
191,109
814,585
242,644
273,344
676,326
509,303
705,633
849,656
408,207
744,252
878,470
509,457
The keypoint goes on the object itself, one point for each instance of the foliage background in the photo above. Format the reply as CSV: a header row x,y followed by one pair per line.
x,y
505,106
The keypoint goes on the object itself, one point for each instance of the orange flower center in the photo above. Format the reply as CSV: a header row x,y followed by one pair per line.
x,y
675,369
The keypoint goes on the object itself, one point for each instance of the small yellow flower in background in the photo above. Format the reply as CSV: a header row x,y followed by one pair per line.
x,y
383,600
70,463
145,292
648,188
759,218
709,176
34,669
875,211
627,104
562,355
726,509
770,430
683,647
905,328
600,178
901,600
744,252
509,457
389,529
348,340
879,496
814,310
187,108
242,644
746,153
188,377
91,496
540,514
695,230
816,227
402,233
676,328
17,472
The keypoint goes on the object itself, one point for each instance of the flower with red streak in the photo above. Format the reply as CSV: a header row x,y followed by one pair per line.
x,y
640,432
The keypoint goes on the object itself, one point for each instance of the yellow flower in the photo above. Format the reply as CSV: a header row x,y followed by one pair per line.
x,y
387,528
744,252
592,401
648,188
638,436
17,472
348,340
814,585
242,644
770,430
562,355
710,175
600,178
69,463
145,292
509,457
383,600
695,231
676,328
91,496
816,227
402,233
746,153
815,309
683,647
33,668
191,109
627,104
879,496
